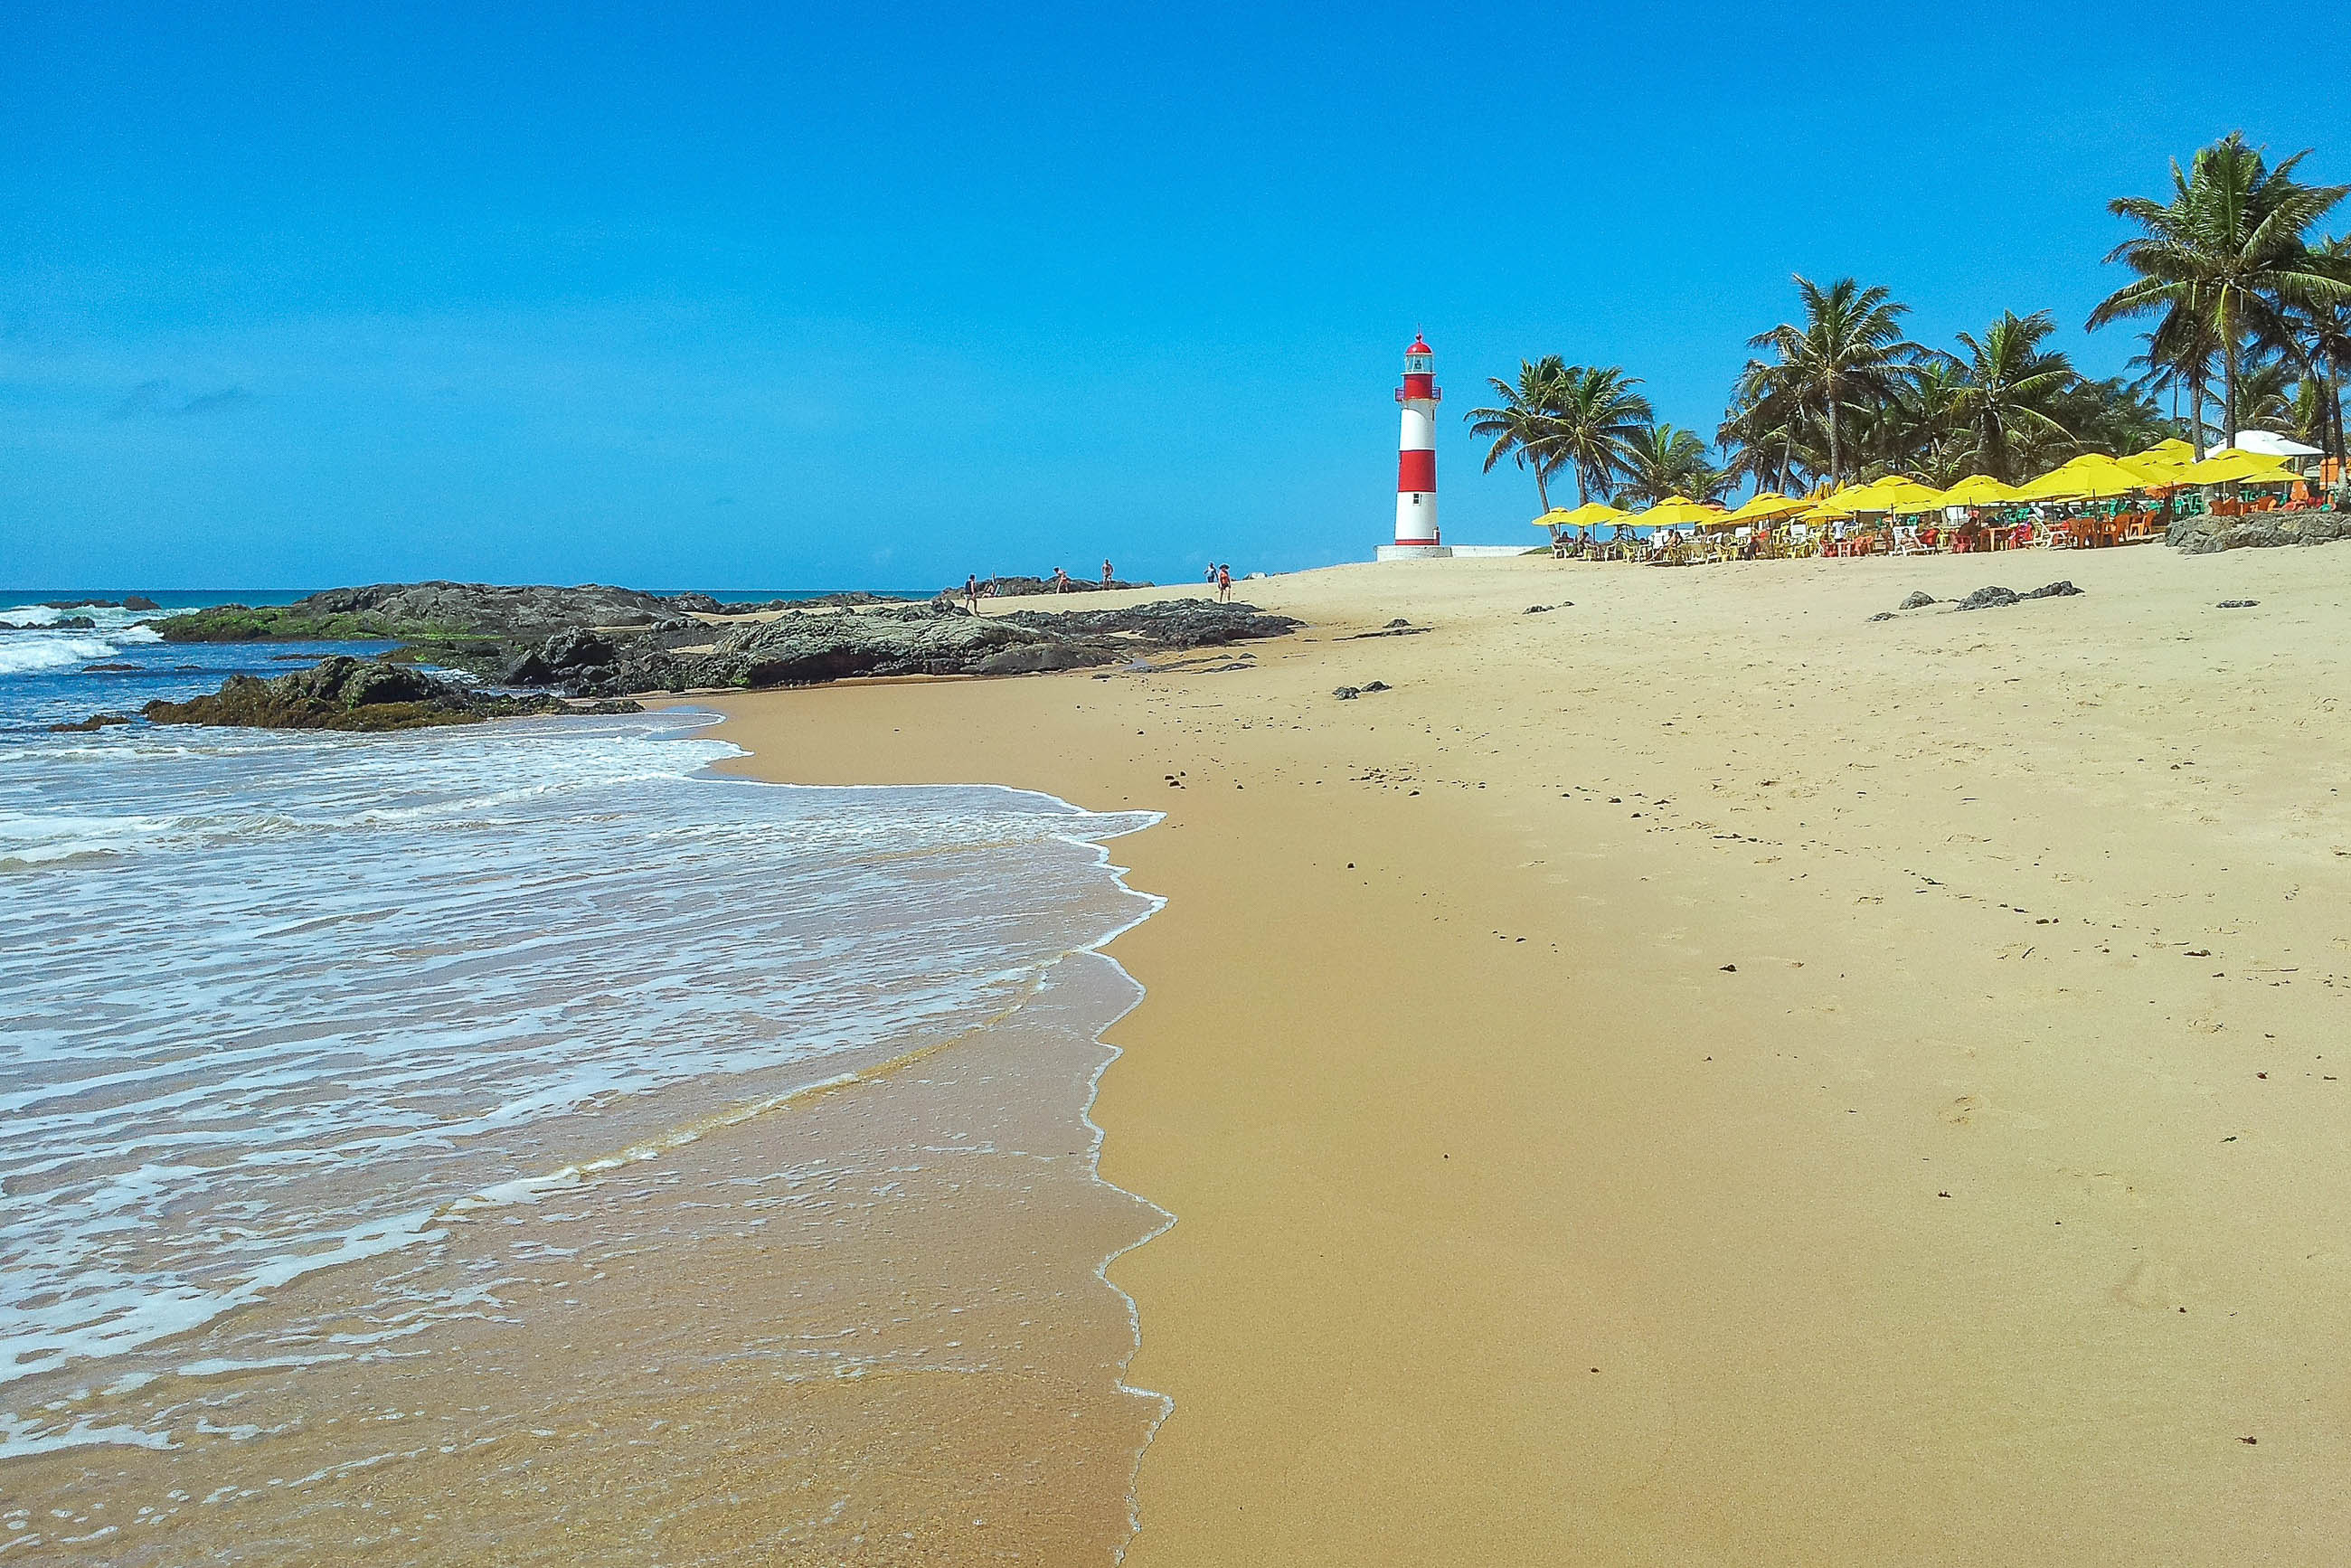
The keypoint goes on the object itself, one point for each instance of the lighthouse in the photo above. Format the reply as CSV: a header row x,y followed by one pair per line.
x,y
1415,525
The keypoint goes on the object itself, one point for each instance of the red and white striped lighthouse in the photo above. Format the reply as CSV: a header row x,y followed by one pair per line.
x,y
1416,450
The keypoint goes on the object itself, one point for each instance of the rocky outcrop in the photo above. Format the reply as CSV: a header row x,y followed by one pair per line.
x,y
447,613
936,639
344,693
1997,598
1024,586
606,641
2262,530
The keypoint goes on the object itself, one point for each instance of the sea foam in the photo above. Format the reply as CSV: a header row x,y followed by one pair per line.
x,y
282,1002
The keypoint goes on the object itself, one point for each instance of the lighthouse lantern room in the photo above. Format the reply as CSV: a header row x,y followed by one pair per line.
x,y
1415,525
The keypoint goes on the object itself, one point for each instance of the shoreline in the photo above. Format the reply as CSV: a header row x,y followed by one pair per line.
x,y
1686,958
869,1262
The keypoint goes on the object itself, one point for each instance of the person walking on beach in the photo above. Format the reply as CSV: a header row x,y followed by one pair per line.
x,y
1107,579
1211,579
971,593
1060,581
1224,584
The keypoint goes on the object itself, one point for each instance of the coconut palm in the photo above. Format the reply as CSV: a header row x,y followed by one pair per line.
x,y
1593,423
1522,422
2319,341
2227,248
2113,416
1925,432
2008,391
1663,461
1849,349
2265,395
2180,354
1765,438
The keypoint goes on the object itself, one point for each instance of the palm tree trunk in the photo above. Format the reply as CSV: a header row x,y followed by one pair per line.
x,y
1542,491
1836,447
2229,355
2196,407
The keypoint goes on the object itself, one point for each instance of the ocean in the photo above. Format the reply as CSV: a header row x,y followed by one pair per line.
x,y
520,1142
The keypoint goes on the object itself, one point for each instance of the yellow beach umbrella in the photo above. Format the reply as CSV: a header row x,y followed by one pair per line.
x,y
1592,514
2160,473
2093,476
2234,466
1674,511
1848,503
1767,505
2172,451
1554,519
1905,496
1979,490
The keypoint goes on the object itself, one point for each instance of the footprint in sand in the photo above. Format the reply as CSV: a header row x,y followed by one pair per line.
x,y
2154,1285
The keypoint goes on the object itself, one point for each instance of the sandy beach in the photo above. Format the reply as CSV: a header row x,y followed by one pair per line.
x,y
1695,1075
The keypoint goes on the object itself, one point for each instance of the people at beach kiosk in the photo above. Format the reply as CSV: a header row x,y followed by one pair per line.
x,y
1416,449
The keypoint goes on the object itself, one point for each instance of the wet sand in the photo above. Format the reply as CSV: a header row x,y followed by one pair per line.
x,y
1694,1076
865,1327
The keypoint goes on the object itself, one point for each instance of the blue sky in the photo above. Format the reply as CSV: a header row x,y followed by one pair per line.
x,y
821,296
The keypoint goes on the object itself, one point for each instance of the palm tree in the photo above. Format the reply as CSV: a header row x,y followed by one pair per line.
x,y
2180,353
1664,461
2319,340
1593,425
1850,348
2008,387
2229,249
1767,437
1925,430
2113,415
2265,395
1523,423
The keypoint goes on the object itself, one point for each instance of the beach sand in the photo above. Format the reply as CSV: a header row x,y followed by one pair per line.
x,y
1696,1076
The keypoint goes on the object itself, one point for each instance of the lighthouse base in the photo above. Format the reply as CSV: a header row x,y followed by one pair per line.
x,y
1415,553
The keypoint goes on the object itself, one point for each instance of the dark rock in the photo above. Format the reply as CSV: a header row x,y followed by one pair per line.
x,y
1883,615
2263,530
140,603
1034,659
344,693
697,604
1345,694
1536,610
1987,599
95,721
1918,602
1399,621
441,613
110,669
1028,587
926,639
607,643
1374,685
1169,623
2053,591
2237,603
851,600
577,648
